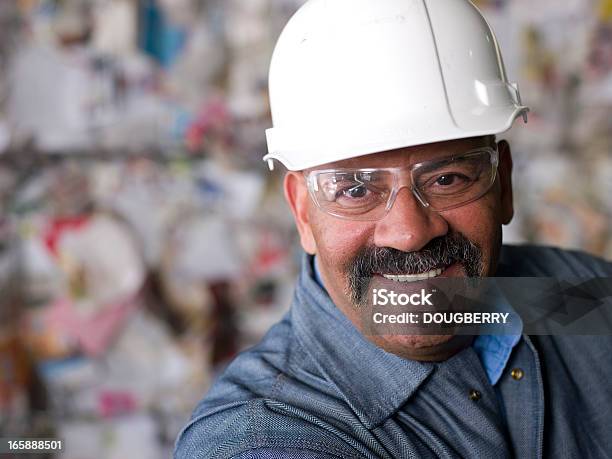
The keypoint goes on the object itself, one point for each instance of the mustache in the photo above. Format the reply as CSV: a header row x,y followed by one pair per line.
x,y
438,253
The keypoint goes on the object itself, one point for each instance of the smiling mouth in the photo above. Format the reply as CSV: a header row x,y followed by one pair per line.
x,y
414,277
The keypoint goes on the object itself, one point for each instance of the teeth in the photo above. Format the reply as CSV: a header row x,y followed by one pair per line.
x,y
414,277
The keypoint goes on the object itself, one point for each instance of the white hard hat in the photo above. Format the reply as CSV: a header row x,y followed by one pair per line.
x,y
354,77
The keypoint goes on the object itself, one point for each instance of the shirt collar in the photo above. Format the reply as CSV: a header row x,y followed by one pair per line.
x,y
494,351
373,382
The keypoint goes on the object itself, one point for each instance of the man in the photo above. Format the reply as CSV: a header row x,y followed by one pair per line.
x,y
385,114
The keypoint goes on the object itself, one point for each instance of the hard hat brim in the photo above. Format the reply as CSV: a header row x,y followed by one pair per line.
x,y
296,153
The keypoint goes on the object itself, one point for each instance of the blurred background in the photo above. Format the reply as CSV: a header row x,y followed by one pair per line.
x,y
143,242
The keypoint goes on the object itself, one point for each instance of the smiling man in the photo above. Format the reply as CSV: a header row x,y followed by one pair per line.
x,y
384,224
386,114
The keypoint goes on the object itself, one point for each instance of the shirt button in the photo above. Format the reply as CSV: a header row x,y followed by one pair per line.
x,y
517,374
475,395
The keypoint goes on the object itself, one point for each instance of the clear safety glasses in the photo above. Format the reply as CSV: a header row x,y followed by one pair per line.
x,y
369,194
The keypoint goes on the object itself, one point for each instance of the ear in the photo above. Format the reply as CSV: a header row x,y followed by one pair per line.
x,y
296,194
505,178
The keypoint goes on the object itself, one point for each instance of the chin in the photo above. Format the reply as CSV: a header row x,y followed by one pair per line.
x,y
427,348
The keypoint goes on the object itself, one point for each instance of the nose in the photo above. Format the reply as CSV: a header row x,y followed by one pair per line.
x,y
409,226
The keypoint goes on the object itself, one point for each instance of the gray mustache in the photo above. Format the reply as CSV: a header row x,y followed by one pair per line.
x,y
438,253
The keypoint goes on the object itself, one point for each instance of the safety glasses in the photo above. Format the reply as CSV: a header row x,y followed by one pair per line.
x,y
369,194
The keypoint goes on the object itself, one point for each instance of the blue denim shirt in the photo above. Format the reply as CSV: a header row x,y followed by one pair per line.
x,y
316,388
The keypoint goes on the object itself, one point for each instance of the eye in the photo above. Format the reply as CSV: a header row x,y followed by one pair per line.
x,y
447,183
359,195
356,192
449,179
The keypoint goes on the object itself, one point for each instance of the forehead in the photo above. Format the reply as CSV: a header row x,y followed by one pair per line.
x,y
412,155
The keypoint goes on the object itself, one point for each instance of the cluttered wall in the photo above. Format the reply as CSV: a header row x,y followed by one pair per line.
x,y
143,242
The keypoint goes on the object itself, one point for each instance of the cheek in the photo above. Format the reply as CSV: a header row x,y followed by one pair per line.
x,y
480,222
337,242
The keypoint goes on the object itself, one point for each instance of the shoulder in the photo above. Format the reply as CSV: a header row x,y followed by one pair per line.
x,y
283,453
261,407
258,428
531,260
